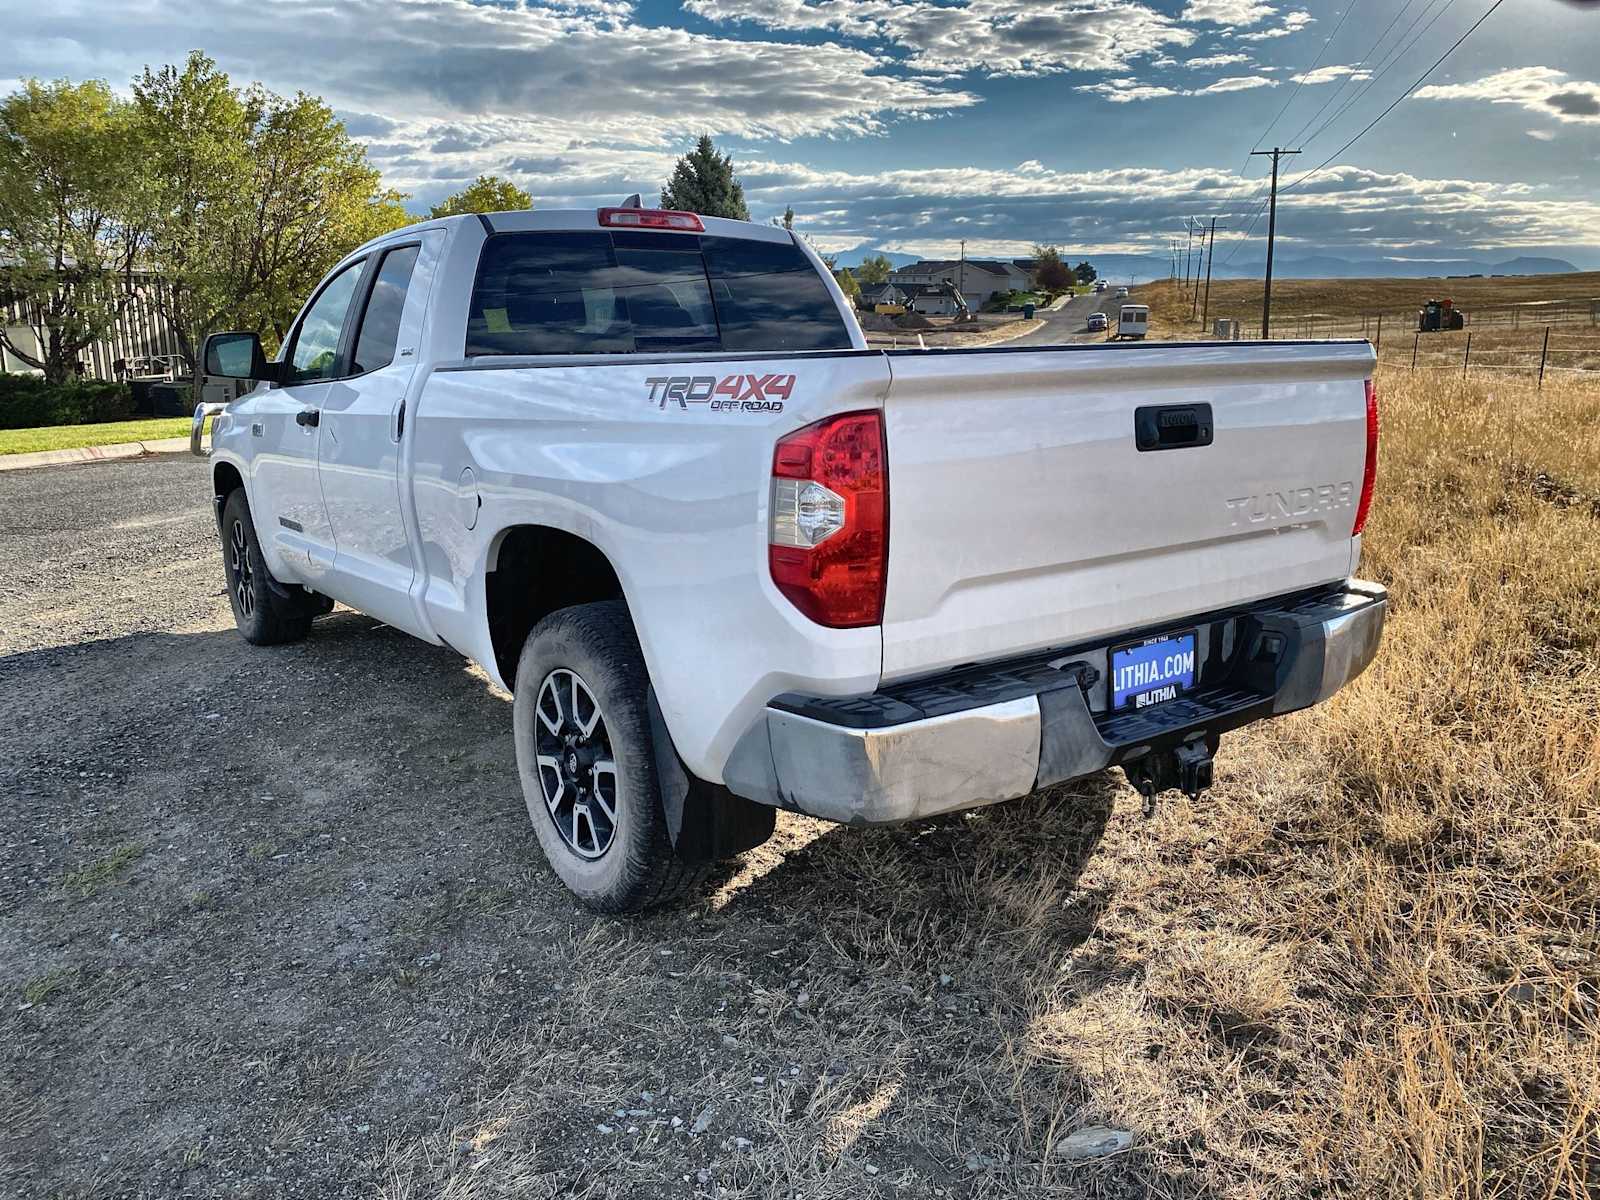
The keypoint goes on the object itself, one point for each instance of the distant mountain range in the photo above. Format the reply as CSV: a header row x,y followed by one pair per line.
x,y
1140,268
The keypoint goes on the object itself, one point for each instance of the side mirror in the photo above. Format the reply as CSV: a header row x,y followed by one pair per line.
x,y
238,355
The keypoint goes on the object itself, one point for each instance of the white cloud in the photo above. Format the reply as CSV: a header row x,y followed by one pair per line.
x,y
1227,12
1134,208
1292,23
1543,90
1542,135
553,72
1001,37
1126,91
1236,83
1216,60
1332,74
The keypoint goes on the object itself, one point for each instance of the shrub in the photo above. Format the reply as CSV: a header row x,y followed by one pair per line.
x,y
27,402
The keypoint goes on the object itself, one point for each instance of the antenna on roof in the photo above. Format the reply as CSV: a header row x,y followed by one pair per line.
x,y
632,201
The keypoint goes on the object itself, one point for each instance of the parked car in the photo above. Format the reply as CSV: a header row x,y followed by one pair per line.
x,y
643,469
1097,322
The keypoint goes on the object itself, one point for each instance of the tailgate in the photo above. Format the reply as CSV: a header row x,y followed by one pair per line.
x,y
1023,515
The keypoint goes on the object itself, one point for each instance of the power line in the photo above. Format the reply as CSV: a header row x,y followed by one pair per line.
x,y
1388,63
1335,93
1300,83
1421,79
1300,80
1259,200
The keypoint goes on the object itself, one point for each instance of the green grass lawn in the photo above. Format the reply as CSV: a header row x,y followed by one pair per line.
x,y
66,437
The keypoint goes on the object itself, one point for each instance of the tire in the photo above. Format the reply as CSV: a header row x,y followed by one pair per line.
x,y
266,612
580,703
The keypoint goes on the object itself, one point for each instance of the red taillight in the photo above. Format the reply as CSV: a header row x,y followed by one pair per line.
x,y
828,539
651,218
1370,475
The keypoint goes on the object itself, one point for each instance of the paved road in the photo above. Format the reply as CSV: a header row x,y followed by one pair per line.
x,y
1066,324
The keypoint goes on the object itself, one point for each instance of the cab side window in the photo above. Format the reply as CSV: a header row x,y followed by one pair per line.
x,y
315,354
380,323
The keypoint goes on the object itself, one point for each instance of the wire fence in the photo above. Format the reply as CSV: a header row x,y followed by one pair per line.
x,y
1506,339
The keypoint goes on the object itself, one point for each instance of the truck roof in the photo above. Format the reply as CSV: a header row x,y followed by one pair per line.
x,y
530,219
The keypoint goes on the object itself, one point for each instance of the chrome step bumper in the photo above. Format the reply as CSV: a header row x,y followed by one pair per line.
x,y
982,735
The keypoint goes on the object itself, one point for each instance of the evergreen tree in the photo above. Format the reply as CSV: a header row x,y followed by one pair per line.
x,y
1085,273
703,183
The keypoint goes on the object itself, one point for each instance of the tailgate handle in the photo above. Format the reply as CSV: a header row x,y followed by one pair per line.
x,y
1172,426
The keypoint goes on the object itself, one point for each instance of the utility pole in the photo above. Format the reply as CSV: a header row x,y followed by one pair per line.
x,y
1272,232
1188,229
1211,257
962,286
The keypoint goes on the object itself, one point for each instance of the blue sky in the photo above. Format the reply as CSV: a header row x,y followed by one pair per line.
x,y
910,124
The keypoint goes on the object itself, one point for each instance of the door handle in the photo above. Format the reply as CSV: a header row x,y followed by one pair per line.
x,y
308,417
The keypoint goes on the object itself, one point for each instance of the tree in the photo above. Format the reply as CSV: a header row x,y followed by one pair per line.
x,y
788,216
848,285
702,182
489,193
251,196
874,269
1050,273
1085,273
70,227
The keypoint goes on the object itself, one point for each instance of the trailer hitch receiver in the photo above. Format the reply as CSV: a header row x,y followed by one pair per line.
x,y
1186,767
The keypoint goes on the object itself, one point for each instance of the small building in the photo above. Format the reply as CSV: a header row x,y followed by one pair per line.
x,y
977,279
876,296
141,334
936,299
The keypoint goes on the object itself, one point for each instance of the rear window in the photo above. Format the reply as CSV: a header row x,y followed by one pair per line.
x,y
624,292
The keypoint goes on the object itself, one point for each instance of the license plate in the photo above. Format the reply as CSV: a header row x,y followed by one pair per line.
x,y
1152,671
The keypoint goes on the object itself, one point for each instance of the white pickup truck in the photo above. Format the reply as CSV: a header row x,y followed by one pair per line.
x,y
642,467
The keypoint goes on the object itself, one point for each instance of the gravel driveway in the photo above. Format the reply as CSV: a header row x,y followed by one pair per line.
x,y
274,924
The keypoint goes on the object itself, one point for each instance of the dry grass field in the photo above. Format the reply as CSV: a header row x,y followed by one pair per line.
x,y
1400,298
270,934
1348,308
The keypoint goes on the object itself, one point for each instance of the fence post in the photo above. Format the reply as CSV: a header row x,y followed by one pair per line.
x,y
1466,358
1378,345
1544,354
1415,342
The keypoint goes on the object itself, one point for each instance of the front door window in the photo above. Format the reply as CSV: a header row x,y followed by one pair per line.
x,y
316,346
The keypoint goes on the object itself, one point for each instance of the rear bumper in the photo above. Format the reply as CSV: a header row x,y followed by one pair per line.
x,y
976,736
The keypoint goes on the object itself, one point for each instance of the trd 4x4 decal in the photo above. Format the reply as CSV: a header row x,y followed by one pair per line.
x,y
731,393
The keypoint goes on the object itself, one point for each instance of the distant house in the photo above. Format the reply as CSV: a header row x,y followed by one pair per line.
x,y
935,299
977,279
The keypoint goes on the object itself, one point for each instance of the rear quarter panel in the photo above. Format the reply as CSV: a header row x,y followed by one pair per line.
x,y
674,493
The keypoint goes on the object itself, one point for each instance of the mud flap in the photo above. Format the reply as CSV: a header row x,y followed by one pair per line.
x,y
706,821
